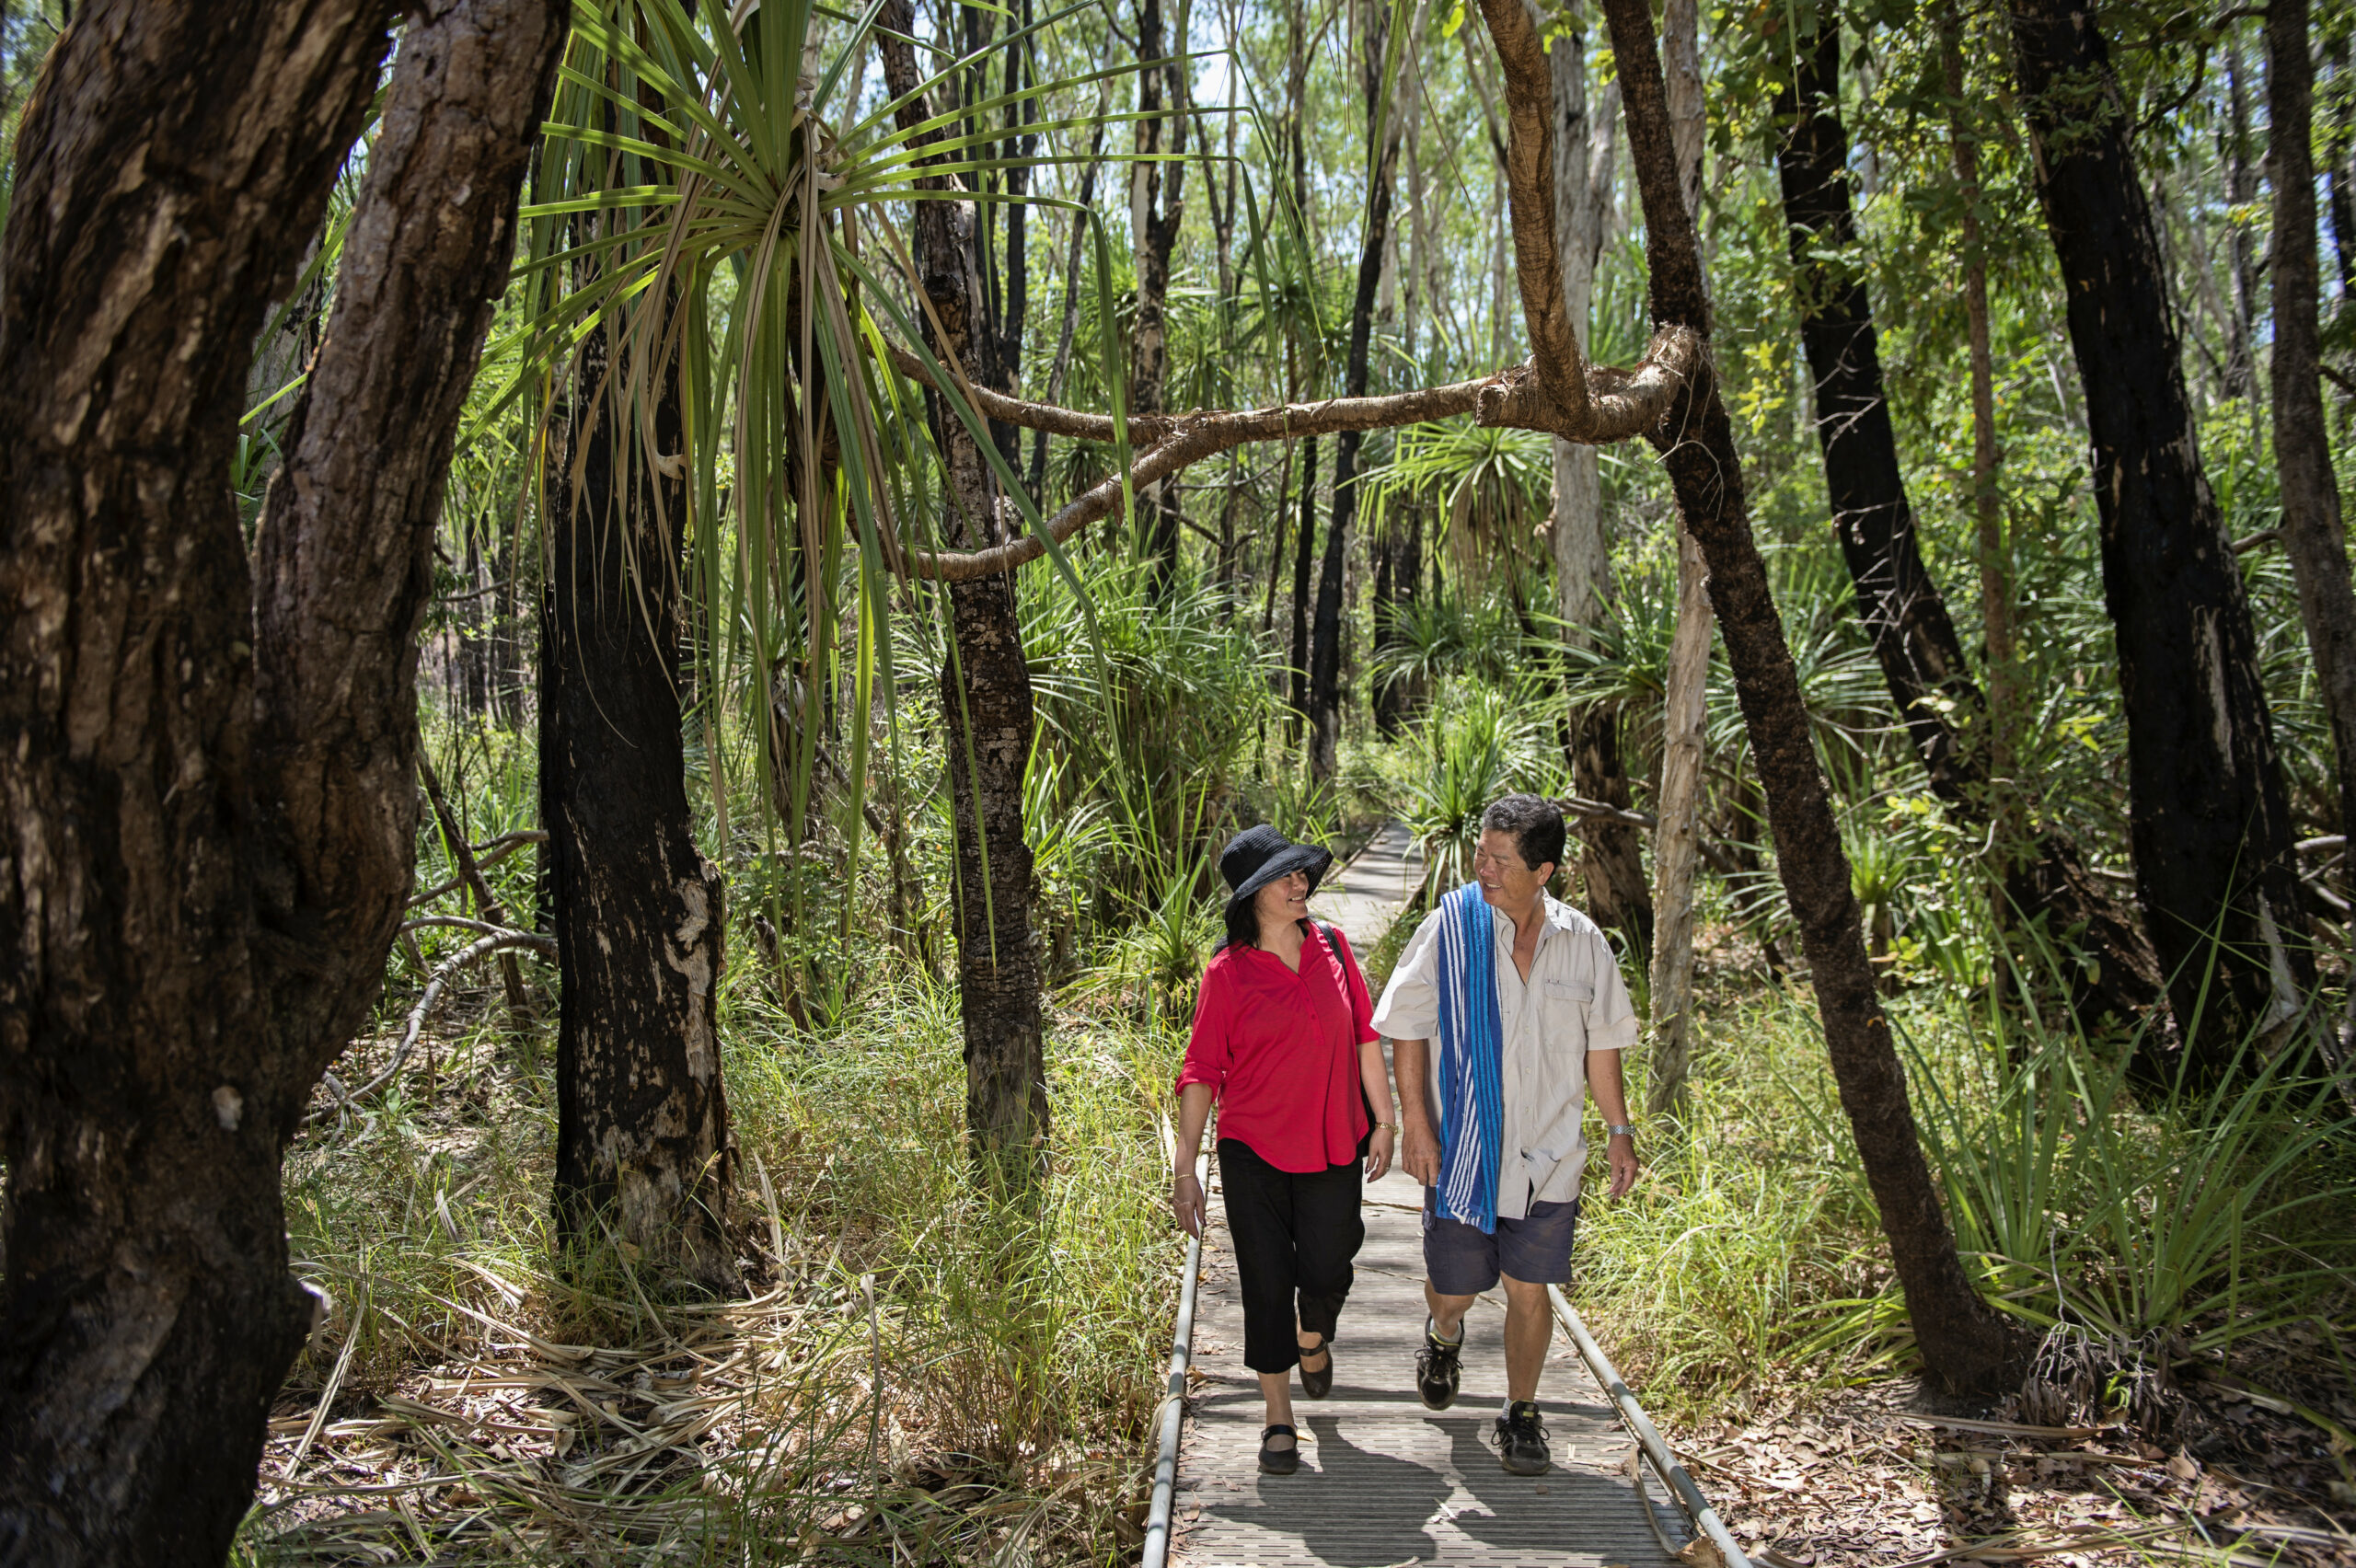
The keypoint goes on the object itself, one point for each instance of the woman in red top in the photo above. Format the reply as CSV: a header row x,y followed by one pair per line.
x,y
1283,1040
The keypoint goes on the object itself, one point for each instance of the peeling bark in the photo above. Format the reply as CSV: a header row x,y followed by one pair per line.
x,y
643,1144
1677,840
1685,705
1611,859
207,769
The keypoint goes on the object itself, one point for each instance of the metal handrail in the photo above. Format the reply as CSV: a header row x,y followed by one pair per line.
x,y
1174,1416
1631,1415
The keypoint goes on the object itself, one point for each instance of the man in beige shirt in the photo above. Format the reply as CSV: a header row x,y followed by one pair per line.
x,y
1562,1018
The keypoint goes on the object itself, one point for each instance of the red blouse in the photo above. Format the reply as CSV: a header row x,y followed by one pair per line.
x,y
1279,1050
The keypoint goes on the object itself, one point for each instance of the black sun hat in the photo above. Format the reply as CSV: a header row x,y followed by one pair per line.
x,y
1258,856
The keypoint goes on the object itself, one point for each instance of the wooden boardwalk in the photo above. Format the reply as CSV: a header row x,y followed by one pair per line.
x,y
1384,1481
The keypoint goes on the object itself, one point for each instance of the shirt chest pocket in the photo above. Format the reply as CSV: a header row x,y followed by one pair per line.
x,y
1563,1005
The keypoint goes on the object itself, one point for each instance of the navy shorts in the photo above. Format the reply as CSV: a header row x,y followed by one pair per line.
x,y
1536,1249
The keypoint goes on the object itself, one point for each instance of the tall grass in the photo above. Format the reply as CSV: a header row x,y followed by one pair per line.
x,y
1750,1254
1715,1275
926,1372
2204,1215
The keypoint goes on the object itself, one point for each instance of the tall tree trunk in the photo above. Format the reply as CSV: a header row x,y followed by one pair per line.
x,y
986,705
643,1152
2312,533
1157,208
1914,640
1038,476
1019,150
1304,553
2241,189
642,1145
2210,823
1684,710
206,771
1283,513
1677,841
1612,855
2337,183
1993,555
1394,573
1326,656
1963,1344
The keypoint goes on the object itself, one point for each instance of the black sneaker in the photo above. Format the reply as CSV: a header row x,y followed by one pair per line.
x,y
1521,1438
1436,1372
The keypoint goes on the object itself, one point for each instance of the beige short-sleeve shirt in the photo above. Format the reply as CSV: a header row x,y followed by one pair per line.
x,y
1574,1002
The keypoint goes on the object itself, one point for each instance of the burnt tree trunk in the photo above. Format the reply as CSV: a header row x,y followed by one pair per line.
x,y
1305,552
1157,208
1326,653
2208,817
1963,1344
207,765
1914,640
1015,306
2313,536
986,705
642,1145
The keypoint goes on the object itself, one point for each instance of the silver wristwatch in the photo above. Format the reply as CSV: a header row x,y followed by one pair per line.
x,y
1618,1130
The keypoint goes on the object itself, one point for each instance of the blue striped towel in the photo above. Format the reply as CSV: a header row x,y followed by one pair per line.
x,y
1472,1053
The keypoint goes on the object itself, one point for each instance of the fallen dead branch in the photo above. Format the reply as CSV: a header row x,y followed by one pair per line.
x,y
497,941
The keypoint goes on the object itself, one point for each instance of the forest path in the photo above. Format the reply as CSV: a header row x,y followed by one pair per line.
x,y
1384,1481
1364,896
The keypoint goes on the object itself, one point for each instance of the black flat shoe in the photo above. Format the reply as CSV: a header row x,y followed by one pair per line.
x,y
1279,1461
1320,1383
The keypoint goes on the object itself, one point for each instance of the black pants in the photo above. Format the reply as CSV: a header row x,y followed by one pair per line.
x,y
1294,1237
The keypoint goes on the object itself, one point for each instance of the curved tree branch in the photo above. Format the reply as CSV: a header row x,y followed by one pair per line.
x,y
1193,438
1529,185
1620,404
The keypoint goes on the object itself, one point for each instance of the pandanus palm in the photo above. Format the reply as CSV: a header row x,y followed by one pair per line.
x,y
714,288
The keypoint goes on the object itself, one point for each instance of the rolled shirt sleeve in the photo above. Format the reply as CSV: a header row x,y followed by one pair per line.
x,y
1410,1005
1611,1019
1211,1046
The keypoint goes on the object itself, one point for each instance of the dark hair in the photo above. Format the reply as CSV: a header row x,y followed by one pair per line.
x,y
1243,924
1535,823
